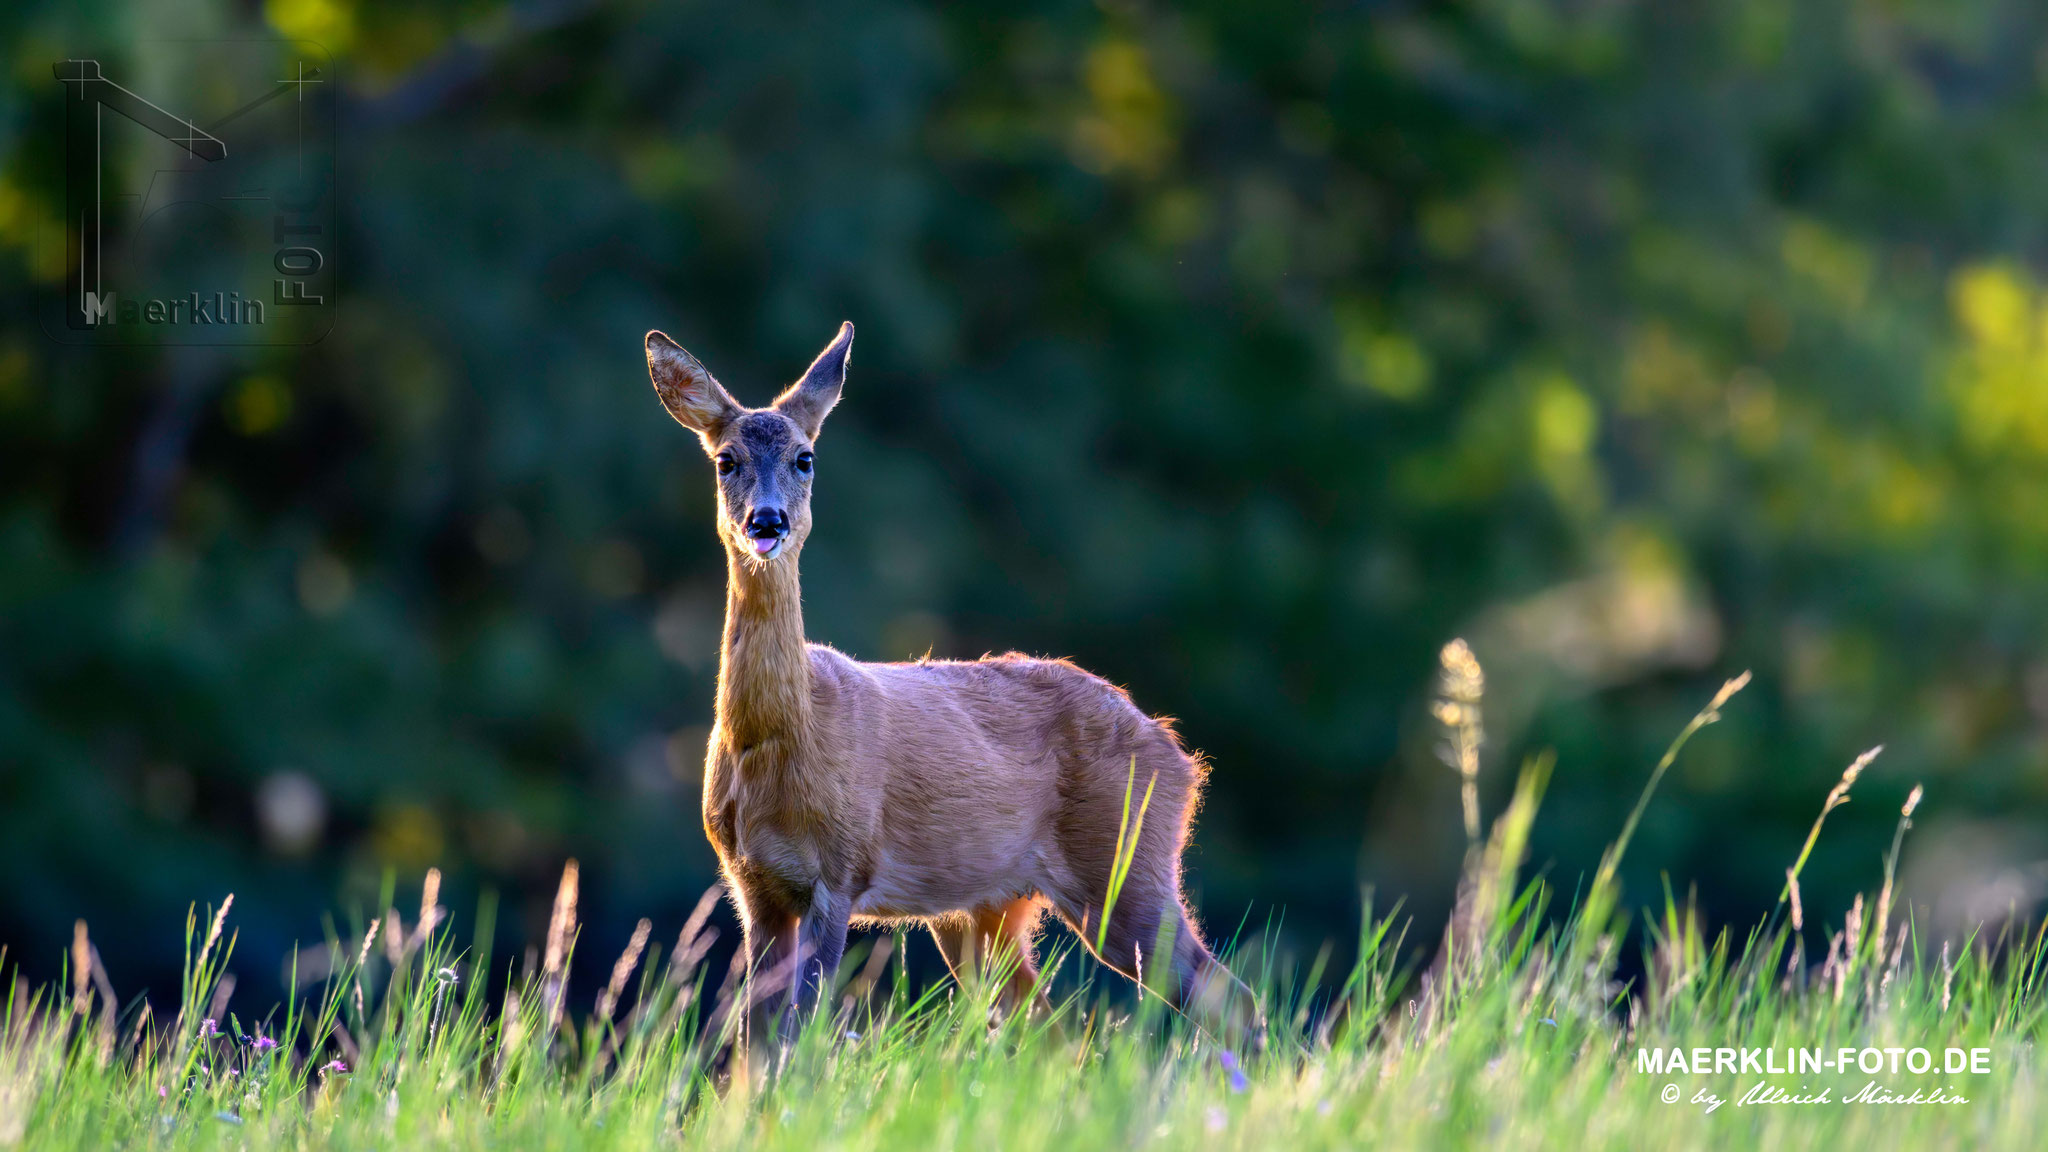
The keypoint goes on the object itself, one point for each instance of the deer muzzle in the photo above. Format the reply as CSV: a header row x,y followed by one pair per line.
x,y
766,529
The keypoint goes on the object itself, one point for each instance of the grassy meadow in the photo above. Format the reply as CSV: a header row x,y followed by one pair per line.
x,y
1517,1031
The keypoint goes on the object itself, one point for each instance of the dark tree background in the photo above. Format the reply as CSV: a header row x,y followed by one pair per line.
x,y
1244,352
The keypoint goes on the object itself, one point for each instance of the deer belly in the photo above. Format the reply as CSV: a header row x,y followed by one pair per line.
x,y
903,887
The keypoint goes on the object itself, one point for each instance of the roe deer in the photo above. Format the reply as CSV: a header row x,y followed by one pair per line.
x,y
968,795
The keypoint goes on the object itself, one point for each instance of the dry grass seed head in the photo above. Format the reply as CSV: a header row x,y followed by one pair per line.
x,y
1839,794
562,923
1460,685
608,1001
81,969
220,920
431,912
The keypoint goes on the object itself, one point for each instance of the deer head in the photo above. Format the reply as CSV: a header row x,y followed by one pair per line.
x,y
765,456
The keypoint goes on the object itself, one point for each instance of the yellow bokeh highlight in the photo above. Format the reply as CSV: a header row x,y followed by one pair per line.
x,y
331,24
1998,379
1126,126
259,405
1378,359
1563,422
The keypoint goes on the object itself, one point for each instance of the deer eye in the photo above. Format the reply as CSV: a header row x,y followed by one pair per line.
x,y
726,463
803,461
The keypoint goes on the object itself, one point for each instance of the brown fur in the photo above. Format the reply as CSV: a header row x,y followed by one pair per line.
x,y
968,795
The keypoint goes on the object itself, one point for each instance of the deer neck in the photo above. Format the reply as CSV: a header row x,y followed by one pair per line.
x,y
764,670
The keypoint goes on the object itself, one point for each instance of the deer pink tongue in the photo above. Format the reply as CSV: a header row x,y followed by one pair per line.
x,y
763,544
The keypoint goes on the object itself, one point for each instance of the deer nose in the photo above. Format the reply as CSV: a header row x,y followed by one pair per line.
x,y
767,523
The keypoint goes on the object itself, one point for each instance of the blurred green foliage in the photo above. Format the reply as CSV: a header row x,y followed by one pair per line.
x,y
1245,352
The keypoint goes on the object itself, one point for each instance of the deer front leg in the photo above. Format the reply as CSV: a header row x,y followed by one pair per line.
x,y
793,959
770,946
821,943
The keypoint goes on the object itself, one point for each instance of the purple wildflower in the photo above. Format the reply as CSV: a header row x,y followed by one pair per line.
x,y
208,1028
1231,1068
264,1043
334,1066
162,1093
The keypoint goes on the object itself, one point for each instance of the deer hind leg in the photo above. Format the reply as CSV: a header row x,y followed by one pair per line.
x,y
1152,940
997,939
1147,933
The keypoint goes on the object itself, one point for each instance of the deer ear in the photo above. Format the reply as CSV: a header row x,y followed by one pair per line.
x,y
689,392
809,399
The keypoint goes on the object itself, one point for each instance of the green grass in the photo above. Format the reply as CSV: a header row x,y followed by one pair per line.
x,y
1519,1034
